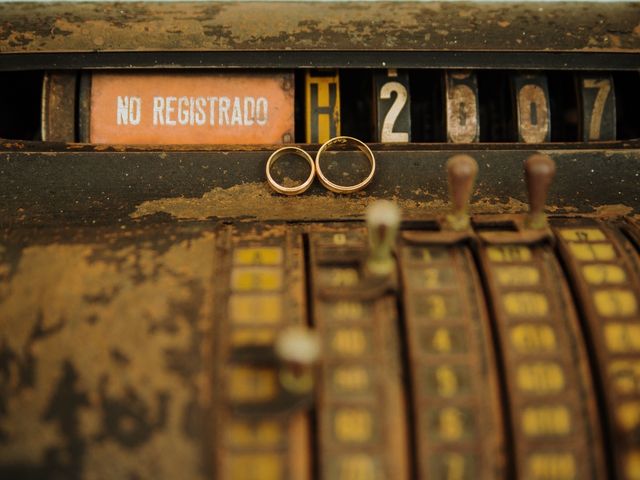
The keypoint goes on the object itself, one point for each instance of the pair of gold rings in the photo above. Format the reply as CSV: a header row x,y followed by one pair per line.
x,y
316,170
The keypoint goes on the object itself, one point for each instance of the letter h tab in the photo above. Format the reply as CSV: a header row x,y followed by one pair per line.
x,y
322,106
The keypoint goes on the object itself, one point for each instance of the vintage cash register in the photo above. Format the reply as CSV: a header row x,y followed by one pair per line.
x,y
437,278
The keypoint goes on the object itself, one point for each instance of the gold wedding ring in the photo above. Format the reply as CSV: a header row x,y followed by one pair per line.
x,y
334,187
290,190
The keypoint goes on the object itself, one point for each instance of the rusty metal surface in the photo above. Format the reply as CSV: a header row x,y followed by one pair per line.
x,y
462,107
554,418
93,187
451,361
259,291
361,405
108,341
58,107
603,270
101,27
104,369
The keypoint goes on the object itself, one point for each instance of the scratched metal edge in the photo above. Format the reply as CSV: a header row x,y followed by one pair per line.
x,y
93,188
595,60
27,146
137,26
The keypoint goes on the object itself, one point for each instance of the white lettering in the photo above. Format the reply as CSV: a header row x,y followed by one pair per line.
x,y
134,110
168,110
122,116
183,111
262,111
158,107
186,110
236,116
249,111
223,109
191,110
200,115
212,110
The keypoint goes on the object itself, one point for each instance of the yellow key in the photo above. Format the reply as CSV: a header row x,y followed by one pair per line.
x,y
622,337
257,256
551,466
625,375
518,276
533,338
255,309
248,279
525,304
450,424
546,420
346,310
353,425
615,303
447,381
256,466
455,465
351,378
628,416
509,253
583,234
252,384
349,341
435,307
603,274
589,252
342,277
632,465
242,337
540,377
357,466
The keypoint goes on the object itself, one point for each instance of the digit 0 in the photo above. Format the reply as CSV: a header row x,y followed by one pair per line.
x,y
532,105
463,122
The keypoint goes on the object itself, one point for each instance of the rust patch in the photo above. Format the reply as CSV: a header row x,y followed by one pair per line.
x,y
252,201
101,357
198,26
609,211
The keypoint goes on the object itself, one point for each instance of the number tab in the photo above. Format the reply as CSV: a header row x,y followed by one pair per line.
x,y
532,108
322,102
463,111
598,107
392,106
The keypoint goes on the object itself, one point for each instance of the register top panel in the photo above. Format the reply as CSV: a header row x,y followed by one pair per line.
x,y
306,26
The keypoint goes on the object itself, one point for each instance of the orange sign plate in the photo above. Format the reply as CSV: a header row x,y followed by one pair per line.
x,y
192,108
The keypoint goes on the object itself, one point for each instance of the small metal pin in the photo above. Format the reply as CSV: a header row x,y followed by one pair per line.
x,y
383,221
298,350
539,172
462,171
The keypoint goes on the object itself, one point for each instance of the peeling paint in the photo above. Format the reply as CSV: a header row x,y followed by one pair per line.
x,y
612,211
264,204
101,354
199,26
